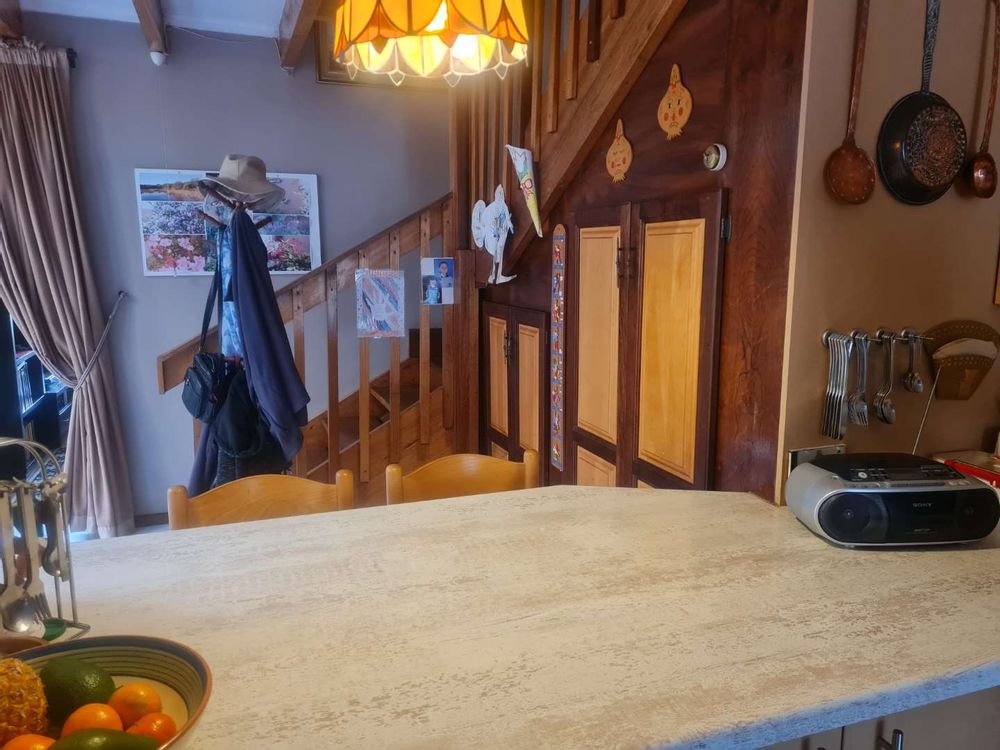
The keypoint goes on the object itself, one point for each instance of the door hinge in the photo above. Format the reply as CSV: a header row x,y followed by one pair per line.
x,y
506,347
726,230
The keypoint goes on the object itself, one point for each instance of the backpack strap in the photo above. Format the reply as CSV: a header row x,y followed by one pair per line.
x,y
215,293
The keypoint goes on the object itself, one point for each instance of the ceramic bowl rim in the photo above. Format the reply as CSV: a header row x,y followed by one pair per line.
x,y
142,641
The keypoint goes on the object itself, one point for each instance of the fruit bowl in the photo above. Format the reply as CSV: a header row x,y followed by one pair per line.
x,y
180,675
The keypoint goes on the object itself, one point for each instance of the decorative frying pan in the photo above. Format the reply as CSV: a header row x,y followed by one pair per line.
x,y
922,144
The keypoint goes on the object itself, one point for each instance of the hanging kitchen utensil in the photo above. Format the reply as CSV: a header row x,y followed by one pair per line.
x,y
922,143
849,172
982,169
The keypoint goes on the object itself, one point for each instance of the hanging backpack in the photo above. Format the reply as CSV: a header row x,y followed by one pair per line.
x,y
207,379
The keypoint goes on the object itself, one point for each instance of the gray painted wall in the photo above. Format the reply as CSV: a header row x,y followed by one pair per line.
x,y
380,154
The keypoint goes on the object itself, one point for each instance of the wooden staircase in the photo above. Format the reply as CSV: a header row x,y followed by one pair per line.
x,y
589,65
409,414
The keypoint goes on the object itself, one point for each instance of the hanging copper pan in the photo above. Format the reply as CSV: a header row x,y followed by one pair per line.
x,y
922,144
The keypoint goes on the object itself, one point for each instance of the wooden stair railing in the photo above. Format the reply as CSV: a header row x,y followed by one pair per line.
x,y
429,376
588,73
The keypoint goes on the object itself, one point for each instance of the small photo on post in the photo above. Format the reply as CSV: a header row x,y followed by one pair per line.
x,y
437,281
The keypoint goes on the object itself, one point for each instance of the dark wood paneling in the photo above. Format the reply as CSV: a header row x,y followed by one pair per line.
x,y
765,77
742,61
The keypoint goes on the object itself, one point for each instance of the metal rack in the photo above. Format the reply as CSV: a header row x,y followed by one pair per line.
x,y
26,559
845,406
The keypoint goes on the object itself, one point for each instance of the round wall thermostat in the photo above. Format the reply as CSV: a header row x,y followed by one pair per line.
x,y
715,157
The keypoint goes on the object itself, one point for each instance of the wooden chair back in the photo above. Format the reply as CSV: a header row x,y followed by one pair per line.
x,y
459,475
258,498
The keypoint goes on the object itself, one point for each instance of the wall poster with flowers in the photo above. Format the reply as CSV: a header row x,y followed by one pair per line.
x,y
176,241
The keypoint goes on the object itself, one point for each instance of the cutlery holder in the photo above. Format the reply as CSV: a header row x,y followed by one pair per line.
x,y
27,562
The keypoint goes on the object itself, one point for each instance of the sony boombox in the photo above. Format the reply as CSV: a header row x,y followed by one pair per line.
x,y
884,499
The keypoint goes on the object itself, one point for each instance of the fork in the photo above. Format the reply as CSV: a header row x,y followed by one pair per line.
x,y
857,406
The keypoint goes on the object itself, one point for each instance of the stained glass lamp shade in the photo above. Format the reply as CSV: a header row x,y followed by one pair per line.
x,y
430,38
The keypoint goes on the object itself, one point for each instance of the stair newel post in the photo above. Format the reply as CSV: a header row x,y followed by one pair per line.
x,y
364,397
448,332
299,353
395,413
425,339
332,376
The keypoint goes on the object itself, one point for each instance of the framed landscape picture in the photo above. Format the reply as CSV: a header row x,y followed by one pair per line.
x,y
176,240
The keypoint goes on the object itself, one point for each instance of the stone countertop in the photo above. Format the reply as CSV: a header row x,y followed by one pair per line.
x,y
552,618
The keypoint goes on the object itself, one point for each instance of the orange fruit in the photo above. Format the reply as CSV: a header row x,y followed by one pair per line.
x,y
159,727
134,701
92,716
29,742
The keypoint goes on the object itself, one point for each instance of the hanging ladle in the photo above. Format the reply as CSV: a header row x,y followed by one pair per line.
x,y
850,173
982,169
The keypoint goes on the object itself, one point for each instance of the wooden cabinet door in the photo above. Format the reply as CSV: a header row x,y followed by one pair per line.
x,y
496,350
675,282
596,314
516,362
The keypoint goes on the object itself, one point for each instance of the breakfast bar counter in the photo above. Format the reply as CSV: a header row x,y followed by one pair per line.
x,y
560,617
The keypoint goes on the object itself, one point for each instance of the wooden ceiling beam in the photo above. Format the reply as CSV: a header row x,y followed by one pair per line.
x,y
10,18
150,14
297,18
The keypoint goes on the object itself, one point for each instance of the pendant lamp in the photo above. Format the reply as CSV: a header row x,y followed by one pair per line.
x,y
430,38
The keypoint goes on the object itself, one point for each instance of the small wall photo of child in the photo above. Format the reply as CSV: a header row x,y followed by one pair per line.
x,y
437,281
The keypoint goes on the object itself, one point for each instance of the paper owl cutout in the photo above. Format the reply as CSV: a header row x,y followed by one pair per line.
x,y
676,105
491,226
524,165
619,155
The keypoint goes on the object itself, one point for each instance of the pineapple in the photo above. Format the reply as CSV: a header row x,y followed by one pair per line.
x,y
22,701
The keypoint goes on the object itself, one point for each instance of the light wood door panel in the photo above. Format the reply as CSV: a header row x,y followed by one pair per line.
x,y
594,471
497,333
643,486
598,333
497,452
529,369
670,340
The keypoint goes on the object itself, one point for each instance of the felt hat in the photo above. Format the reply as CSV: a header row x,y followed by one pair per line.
x,y
244,179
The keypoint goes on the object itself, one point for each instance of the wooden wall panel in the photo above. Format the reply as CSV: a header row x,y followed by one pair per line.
x,y
498,451
594,471
529,375
742,60
670,340
597,312
498,405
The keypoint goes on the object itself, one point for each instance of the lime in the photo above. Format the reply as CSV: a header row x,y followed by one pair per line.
x,y
71,683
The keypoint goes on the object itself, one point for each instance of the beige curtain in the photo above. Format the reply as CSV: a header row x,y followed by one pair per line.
x,y
46,280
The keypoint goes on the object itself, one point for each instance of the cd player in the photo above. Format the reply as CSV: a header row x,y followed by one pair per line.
x,y
884,499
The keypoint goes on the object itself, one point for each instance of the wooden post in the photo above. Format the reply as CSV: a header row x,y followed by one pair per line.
x,y
594,30
536,77
553,43
573,50
299,352
449,332
395,412
332,377
364,397
425,339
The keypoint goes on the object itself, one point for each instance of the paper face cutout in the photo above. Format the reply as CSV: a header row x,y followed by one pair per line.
x,y
619,155
676,105
491,225
524,165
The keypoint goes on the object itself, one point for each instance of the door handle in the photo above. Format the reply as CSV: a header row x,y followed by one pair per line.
x,y
895,744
